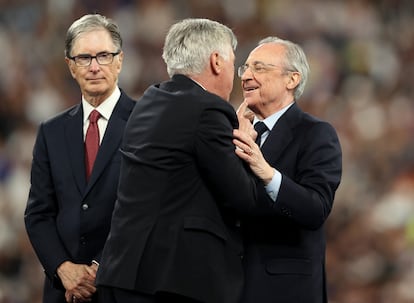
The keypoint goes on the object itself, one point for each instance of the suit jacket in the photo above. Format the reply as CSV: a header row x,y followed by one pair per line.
x,y
179,178
285,248
66,217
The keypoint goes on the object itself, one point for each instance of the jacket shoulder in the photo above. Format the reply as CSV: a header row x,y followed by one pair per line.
x,y
62,116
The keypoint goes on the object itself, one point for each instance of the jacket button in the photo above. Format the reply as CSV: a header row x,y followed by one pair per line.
x,y
85,206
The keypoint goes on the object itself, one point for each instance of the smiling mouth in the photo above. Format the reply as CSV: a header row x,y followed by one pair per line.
x,y
249,89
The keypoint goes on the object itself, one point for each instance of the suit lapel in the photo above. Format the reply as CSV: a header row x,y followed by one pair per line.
x,y
75,146
281,134
110,143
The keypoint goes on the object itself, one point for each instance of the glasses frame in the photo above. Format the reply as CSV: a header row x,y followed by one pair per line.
x,y
96,57
257,67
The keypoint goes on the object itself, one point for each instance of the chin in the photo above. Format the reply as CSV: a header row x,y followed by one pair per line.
x,y
96,90
249,101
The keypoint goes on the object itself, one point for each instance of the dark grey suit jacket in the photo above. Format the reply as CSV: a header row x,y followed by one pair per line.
x,y
285,248
179,179
66,217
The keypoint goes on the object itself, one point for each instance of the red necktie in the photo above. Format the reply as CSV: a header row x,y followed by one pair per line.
x,y
91,142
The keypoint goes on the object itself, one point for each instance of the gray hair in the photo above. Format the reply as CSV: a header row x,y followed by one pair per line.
x,y
190,42
89,23
295,60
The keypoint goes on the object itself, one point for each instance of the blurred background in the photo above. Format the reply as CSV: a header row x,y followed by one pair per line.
x,y
361,54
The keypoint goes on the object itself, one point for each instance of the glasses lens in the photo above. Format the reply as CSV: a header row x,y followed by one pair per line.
x,y
83,60
104,58
241,70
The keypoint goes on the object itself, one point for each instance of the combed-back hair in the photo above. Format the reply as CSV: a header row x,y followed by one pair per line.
x,y
190,42
88,23
295,60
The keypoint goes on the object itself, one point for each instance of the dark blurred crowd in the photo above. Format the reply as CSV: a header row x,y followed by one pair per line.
x,y
361,54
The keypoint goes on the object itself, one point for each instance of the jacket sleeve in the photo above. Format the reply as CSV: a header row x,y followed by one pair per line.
x,y
230,181
42,210
307,195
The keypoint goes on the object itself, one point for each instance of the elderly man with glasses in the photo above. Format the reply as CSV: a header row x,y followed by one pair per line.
x,y
300,160
76,163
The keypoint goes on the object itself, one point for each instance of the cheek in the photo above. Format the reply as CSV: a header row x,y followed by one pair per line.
x,y
115,71
270,90
72,71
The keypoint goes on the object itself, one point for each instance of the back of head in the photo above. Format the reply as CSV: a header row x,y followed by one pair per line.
x,y
190,42
295,60
88,23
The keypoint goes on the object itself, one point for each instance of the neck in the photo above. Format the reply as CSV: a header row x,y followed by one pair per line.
x,y
96,99
265,110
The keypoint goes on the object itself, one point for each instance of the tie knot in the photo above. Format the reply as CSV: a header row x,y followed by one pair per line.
x,y
94,116
260,127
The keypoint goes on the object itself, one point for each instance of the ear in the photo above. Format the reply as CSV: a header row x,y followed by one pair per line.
x,y
293,80
120,60
216,63
71,66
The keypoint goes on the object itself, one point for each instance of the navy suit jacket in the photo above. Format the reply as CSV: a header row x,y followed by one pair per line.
x,y
68,218
285,248
179,174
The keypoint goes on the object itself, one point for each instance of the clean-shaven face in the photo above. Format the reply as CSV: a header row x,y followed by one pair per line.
x,y
265,81
96,81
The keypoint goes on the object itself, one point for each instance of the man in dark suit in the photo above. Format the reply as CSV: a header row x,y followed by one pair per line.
x,y
284,257
173,236
72,195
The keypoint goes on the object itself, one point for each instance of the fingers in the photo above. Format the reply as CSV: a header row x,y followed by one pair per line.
x,y
92,270
245,150
68,296
79,281
243,112
83,293
243,137
242,108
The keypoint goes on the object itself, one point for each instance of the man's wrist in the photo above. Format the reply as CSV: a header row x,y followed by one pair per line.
x,y
269,175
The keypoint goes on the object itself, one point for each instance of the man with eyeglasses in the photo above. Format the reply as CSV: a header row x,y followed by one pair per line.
x,y
76,163
300,156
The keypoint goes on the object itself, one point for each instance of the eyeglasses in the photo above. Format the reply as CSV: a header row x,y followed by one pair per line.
x,y
256,67
103,58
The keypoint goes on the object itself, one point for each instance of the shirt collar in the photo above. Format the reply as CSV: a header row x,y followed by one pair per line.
x,y
197,83
105,108
272,119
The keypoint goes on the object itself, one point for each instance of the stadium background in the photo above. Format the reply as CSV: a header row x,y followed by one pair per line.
x,y
361,54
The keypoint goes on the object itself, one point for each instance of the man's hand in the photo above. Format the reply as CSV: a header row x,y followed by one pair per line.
x,y
245,117
78,280
250,152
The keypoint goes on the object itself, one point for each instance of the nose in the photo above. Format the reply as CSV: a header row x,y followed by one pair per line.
x,y
246,75
94,64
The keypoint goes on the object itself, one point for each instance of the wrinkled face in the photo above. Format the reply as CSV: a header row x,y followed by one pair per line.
x,y
96,81
265,82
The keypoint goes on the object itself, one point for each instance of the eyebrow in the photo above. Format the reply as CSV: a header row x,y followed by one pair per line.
x,y
260,62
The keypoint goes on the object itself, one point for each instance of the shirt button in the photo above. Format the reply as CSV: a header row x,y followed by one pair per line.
x,y
85,206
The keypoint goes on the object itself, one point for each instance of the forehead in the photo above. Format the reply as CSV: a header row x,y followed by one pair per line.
x,y
93,41
269,53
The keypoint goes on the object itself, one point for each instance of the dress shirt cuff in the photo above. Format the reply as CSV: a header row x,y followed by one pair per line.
x,y
273,187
